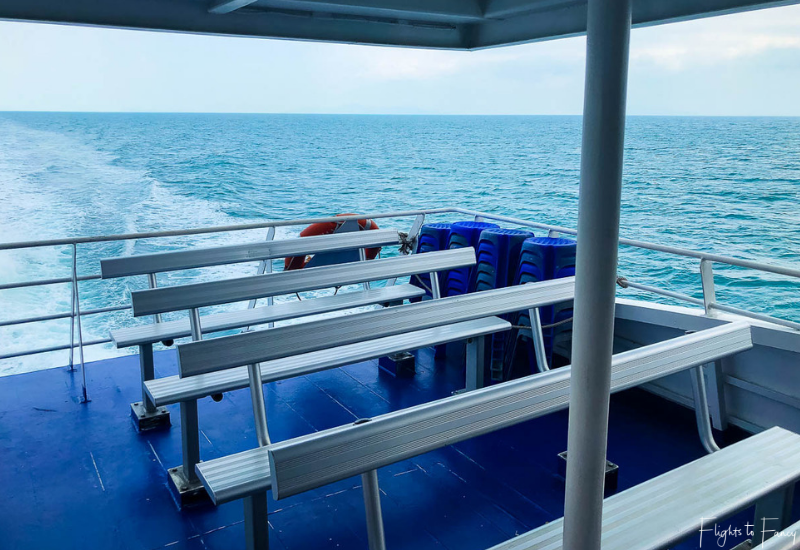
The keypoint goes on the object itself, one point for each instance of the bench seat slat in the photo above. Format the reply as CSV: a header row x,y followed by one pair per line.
x,y
230,477
176,298
265,345
221,255
171,330
173,389
664,510
318,459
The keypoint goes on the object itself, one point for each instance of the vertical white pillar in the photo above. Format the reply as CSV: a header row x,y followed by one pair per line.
x,y
608,35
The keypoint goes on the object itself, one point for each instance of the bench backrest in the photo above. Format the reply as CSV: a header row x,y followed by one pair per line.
x,y
254,347
315,460
177,298
204,257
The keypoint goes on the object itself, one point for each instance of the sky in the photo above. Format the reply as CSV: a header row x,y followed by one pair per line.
x,y
742,64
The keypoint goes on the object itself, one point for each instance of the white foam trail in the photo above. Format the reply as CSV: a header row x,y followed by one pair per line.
x,y
54,185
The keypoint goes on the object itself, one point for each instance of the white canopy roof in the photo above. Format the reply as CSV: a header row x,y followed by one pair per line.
x,y
448,24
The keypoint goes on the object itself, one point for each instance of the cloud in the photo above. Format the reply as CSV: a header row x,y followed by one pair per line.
x,y
718,40
407,64
388,64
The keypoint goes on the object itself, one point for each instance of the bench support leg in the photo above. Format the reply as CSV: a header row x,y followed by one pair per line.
x,y
716,395
476,356
145,415
372,504
538,340
256,524
701,410
186,486
773,514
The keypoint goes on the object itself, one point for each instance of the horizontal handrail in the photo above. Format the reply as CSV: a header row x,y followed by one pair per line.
x,y
708,301
717,258
44,282
216,229
53,348
65,315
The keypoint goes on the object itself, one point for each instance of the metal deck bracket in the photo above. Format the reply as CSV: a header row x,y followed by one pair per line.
x,y
185,492
146,421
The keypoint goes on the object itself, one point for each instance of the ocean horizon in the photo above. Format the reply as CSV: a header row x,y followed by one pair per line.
x,y
724,184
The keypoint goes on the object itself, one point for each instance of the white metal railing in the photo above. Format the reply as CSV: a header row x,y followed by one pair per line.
x,y
706,261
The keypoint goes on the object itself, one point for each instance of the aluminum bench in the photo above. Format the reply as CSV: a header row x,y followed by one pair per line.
x,y
358,331
192,297
145,413
665,510
312,461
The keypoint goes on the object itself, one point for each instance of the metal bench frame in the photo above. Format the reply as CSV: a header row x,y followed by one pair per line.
x,y
209,356
145,414
360,330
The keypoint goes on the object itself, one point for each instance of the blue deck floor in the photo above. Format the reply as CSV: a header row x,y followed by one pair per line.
x,y
77,475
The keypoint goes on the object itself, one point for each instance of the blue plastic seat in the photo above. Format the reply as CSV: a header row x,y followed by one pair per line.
x,y
498,256
463,234
544,258
432,237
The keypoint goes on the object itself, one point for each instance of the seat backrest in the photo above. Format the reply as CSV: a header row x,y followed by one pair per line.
x,y
204,257
265,345
315,460
177,298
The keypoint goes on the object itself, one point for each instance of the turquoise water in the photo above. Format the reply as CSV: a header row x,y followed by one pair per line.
x,y
729,185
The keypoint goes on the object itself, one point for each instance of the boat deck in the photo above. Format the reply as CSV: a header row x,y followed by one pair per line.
x,y
79,476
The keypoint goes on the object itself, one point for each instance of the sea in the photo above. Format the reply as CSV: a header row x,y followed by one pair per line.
x,y
724,185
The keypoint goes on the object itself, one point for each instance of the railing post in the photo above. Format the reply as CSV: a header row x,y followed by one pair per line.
x,y
72,329
77,316
603,144
709,292
416,227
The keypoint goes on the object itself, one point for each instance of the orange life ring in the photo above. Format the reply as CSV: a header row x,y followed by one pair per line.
x,y
315,229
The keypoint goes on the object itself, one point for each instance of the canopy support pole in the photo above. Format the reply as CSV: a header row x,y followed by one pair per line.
x,y
608,36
